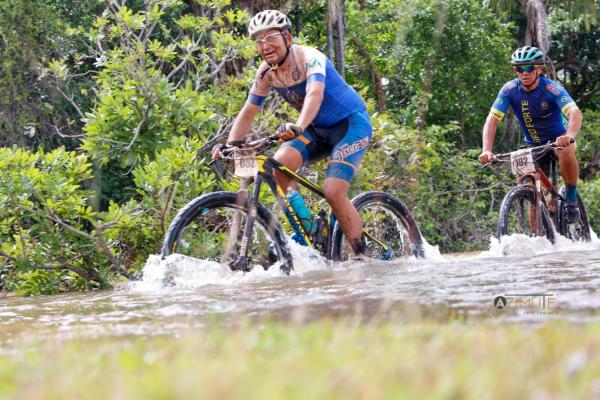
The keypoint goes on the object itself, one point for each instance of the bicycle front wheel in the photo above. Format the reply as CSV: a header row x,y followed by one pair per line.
x,y
517,214
391,229
211,227
579,230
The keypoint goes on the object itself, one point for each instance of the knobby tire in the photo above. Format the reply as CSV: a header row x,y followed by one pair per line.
x,y
206,217
392,223
514,206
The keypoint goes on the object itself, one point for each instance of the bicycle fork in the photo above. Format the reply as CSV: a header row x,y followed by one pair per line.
x,y
242,262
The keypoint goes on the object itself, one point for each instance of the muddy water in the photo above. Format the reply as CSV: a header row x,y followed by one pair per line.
x,y
534,282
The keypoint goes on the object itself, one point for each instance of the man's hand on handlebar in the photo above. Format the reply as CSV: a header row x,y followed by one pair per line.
x,y
288,131
486,157
217,150
564,140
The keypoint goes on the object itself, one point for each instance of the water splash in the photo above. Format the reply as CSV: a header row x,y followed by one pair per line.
x,y
180,271
432,253
523,245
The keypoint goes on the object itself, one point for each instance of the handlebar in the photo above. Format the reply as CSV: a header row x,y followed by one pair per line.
x,y
538,151
255,145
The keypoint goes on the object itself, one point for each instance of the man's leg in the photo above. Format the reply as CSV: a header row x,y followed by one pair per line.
x,y
569,170
336,193
569,167
291,158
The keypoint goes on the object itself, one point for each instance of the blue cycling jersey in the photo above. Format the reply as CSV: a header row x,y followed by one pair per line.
x,y
308,65
539,112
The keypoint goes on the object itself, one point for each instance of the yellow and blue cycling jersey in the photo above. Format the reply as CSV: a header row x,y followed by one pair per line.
x,y
342,128
541,112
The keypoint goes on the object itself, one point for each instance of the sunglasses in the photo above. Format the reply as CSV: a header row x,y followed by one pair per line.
x,y
271,39
525,68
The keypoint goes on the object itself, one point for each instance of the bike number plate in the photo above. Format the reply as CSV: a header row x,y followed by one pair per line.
x,y
521,162
245,166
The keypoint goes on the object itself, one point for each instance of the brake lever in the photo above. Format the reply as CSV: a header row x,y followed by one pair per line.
x,y
219,167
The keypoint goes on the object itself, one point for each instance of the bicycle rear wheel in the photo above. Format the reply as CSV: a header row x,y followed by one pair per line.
x,y
578,231
393,230
211,227
515,214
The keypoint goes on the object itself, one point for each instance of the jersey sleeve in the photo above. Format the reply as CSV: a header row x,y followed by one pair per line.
x,y
502,101
315,65
261,86
562,99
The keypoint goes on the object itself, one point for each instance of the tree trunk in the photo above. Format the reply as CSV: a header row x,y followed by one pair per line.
x,y
423,105
537,32
375,74
335,25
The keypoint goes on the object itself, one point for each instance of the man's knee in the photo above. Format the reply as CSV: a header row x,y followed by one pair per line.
x,y
289,157
335,191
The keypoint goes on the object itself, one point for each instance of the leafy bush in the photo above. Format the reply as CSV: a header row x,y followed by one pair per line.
x,y
454,200
50,238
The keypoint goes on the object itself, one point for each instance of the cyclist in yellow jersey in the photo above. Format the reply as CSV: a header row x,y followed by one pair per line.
x,y
540,105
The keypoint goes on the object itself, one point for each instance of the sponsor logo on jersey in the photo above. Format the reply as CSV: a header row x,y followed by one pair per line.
x,y
553,88
349,149
528,120
507,87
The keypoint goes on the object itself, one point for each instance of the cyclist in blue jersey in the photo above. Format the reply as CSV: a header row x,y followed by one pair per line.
x,y
332,120
541,106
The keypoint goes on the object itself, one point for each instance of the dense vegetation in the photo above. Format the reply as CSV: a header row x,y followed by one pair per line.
x,y
107,110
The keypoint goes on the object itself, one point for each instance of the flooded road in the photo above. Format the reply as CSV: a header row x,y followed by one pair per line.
x,y
534,282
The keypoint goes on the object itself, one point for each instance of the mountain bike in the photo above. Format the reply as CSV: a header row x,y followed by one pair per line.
x,y
237,229
535,207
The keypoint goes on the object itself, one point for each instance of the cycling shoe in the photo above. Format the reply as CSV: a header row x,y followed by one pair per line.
x,y
572,213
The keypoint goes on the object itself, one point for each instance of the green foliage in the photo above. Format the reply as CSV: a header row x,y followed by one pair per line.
x,y
164,185
31,33
45,219
590,193
588,144
443,186
574,50
468,59
157,76
588,153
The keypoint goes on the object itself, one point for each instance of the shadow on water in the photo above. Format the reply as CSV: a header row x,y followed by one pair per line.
x,y
536,281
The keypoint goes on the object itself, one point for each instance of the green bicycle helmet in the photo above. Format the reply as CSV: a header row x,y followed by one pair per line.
x,y
527,55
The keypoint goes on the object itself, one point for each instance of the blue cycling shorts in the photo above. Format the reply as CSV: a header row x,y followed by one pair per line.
x,y
345,142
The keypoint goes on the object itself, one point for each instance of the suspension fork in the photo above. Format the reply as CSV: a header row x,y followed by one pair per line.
x,y
236,224
539,204
243,261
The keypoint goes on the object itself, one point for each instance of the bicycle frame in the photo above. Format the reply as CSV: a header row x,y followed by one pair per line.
x,y
266,164
538,181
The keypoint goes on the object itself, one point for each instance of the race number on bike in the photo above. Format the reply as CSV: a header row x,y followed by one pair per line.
x,y
245,166
521,162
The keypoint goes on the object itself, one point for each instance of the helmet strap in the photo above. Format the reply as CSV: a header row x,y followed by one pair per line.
x,y
537,78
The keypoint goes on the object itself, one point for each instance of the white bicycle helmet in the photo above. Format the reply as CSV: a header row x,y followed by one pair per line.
x,y
268,19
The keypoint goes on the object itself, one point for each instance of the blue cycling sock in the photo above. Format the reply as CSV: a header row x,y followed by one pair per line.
x,y
571,192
